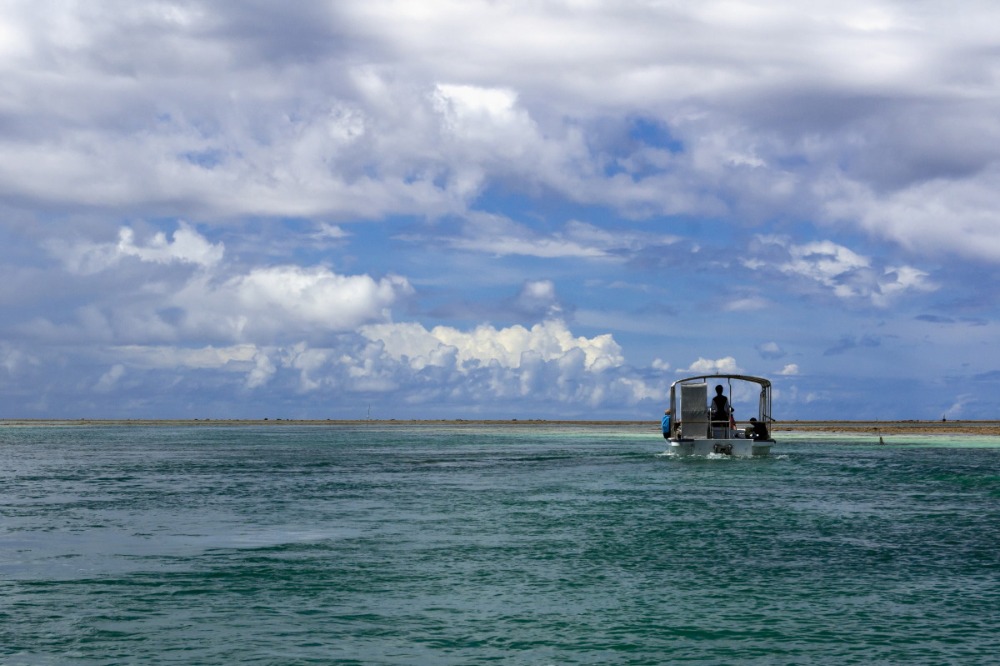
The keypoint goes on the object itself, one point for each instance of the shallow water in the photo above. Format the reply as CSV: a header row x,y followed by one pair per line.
x,y
514,545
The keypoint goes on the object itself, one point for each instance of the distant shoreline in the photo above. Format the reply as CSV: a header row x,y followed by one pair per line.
x,y
912,427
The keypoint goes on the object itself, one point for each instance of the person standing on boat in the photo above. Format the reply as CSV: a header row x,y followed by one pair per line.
x,y
665,423
721,411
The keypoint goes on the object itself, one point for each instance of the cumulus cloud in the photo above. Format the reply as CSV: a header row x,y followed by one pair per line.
x,y
330,232
789,370
282,300
187,246
508,347
770,350
537,300
218,301
474,370
704,366
263,370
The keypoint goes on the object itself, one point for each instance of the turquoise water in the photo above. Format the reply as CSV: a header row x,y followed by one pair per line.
x,y
514,545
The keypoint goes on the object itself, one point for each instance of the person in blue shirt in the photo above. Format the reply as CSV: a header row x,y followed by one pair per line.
x,y
665,422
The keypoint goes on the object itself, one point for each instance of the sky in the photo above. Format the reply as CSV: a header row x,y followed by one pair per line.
x,y
545,209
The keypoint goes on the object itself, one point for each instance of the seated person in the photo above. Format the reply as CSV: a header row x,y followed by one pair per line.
x,y
665,423
759,430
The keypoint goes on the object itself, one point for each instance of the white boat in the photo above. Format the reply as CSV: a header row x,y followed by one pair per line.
x,y
709,426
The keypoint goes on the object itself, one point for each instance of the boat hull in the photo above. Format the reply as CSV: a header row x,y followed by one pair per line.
x,y
737,448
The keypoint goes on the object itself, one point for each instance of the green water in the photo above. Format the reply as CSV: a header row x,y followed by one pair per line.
x,y
516,545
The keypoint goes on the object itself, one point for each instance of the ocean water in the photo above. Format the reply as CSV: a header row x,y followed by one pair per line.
x,y
511,545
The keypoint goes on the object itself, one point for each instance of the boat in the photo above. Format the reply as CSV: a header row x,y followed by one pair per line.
x,y
708,426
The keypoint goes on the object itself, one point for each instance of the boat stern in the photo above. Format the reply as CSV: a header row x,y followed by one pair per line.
x,y
736,448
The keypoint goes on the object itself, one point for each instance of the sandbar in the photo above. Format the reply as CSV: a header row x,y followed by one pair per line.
x,y
913,427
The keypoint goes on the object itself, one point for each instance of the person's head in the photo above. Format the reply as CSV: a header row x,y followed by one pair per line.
x,y
666,411
753,420
718,389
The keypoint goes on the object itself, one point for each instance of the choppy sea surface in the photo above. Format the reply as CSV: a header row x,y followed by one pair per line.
x,y
512,545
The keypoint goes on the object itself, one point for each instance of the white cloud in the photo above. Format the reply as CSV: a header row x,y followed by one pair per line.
x,y
221,302
573,143
487,115
310,363
746,304
110,378
501,236
544,247
950,213
317,294
704,366
186,247
538,299
847,274
478,369
770,350
789,370
160,357
262,372
825,262
637,390
287,300
328,232
14,361
509,347
898,279
957,409
227,110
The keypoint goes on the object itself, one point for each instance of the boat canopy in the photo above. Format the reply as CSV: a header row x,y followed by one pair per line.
x,y
765,383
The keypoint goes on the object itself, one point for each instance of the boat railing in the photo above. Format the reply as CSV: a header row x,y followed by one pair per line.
x,y
723,430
